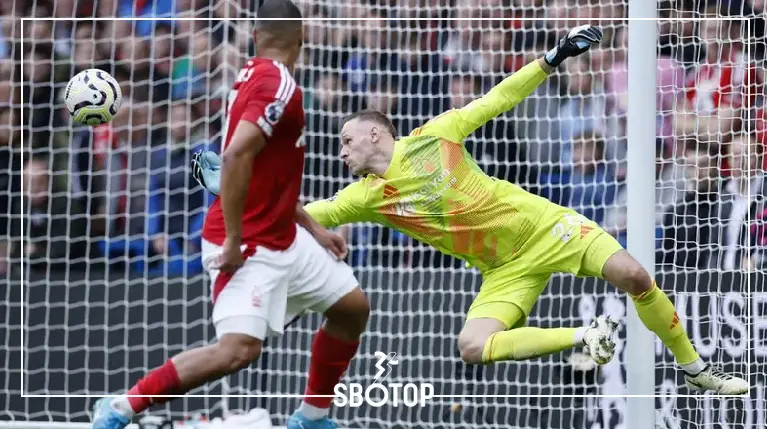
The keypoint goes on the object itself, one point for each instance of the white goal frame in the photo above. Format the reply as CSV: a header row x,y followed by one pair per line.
x,y
642,42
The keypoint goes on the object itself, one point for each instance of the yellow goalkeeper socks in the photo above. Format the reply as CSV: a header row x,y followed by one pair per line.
x,y
659,316
526,343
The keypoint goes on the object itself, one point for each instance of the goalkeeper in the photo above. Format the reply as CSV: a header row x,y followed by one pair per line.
x,y
427,186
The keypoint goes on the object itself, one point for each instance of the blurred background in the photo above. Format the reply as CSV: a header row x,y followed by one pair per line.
x,y
109,209
120,194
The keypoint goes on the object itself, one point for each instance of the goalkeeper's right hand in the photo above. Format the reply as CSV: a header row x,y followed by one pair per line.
x,y
206,170
577,41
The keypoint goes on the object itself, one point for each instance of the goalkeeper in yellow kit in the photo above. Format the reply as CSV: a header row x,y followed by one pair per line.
x,y
428,186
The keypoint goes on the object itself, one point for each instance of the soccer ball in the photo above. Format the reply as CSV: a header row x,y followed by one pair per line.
x,y
93,97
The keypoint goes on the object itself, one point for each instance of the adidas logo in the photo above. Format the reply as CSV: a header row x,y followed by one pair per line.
x,y
675,321
585,230
389,191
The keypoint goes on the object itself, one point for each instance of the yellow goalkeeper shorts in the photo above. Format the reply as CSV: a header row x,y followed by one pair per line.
x,y
564,242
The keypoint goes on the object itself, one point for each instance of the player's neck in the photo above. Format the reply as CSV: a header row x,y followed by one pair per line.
x,y
278,55
381,161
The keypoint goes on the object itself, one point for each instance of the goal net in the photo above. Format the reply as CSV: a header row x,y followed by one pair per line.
x,y
106,281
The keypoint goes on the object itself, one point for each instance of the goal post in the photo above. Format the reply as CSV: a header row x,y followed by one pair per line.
x,y
640,160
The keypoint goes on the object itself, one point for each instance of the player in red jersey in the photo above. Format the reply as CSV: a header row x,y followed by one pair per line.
x,y
268,260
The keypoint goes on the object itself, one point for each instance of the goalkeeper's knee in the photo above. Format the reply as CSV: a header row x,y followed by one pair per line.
x,y
471,350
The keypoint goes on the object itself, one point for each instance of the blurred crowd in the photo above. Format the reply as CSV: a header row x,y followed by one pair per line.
x,y
121,194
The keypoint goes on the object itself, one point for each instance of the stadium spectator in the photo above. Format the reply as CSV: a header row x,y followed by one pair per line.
x,y
670,183
376,59
195,73
10,166
84,47
536,126
556,13
585,108
55,225
464,88
743,197
153,8
591,185
670,81
329,104
324,50
383,94
424,83
494,145
463,40
688,228
397,66
582,111
722,87
44,76
676,30
175,210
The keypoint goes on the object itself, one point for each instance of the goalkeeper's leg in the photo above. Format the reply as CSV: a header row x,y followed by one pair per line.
x,y
486,340
658,314
495,331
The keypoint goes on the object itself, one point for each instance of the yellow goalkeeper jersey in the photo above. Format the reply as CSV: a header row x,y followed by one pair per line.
x,y
435,192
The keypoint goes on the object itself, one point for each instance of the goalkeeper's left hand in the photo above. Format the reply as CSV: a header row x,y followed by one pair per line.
x,y
206,170
577,41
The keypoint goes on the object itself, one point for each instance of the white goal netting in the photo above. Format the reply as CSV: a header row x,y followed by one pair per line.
x,y
112,279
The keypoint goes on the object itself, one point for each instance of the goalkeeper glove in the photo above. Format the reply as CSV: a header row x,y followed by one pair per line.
x,y
577,41
206,170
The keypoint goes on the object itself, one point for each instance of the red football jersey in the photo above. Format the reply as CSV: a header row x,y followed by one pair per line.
x,y
266,94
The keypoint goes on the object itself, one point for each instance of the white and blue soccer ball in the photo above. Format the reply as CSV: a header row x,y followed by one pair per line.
x,y
93,97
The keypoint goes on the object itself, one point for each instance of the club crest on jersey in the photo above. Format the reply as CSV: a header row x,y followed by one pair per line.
x,y
274,111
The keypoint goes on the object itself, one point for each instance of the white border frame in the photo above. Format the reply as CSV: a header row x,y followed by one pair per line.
x,y
747,273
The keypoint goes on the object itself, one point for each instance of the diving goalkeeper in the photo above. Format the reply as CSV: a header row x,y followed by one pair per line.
x,y
428,186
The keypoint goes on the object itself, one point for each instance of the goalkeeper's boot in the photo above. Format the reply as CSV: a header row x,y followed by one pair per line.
x,y
714,379
598,339
300,421
105,416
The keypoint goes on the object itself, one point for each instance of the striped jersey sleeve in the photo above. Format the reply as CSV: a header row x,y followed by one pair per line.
x,y
268,95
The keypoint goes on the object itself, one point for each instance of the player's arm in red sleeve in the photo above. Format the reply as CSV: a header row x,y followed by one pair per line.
x,y
248,139
236,171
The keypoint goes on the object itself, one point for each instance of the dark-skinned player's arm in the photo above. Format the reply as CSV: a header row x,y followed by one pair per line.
x,y
236,171
333,242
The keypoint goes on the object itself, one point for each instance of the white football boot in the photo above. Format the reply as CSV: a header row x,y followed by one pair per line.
x,y
714,379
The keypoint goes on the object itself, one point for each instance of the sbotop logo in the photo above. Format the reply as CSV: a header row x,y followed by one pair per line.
x,y
378,394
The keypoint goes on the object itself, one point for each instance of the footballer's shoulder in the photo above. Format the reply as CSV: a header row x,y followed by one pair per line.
x,y
367,181
267,68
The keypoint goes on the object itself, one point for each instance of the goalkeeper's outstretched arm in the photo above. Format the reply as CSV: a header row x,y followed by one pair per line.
x,y
455,125
346,206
